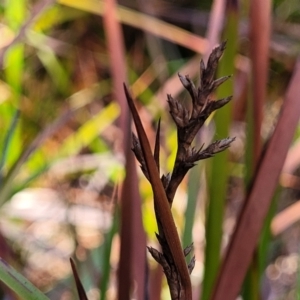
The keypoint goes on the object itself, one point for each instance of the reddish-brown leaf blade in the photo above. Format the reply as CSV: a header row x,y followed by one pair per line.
x,y
133,239
162,207
81,292
260,14
115,45
245,237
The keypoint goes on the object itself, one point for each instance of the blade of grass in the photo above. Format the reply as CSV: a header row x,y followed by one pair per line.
x,y
132,263
266,235
55,69
81,292
19,284
129,218
6,143
190,212
219,168
7,113
251,286
260,15
14,70
250,222
14,58
116,52
259,49
161,204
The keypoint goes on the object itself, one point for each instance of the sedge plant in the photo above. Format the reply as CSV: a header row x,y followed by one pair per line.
x,y
188,123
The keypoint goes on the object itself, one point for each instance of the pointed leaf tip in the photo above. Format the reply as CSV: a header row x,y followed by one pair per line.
x,y
81,292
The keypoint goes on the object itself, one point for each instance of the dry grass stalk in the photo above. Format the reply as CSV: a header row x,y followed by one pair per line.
x,y
172,257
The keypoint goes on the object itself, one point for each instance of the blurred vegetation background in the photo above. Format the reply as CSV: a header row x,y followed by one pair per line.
x,y
63,148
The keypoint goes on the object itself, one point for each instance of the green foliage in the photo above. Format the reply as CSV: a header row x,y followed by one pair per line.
x,y
58,106
219,168
19,284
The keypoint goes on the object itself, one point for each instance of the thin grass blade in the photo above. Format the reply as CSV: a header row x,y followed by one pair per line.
x,y
19,284
161,204
194,186
260,13
7,142
14,14
132,263
250,222
260,17
219,165
81,292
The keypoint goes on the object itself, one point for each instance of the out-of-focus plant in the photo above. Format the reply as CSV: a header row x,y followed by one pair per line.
x,y
57,96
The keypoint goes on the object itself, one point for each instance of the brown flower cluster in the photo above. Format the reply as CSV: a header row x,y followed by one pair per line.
x,y
188,124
